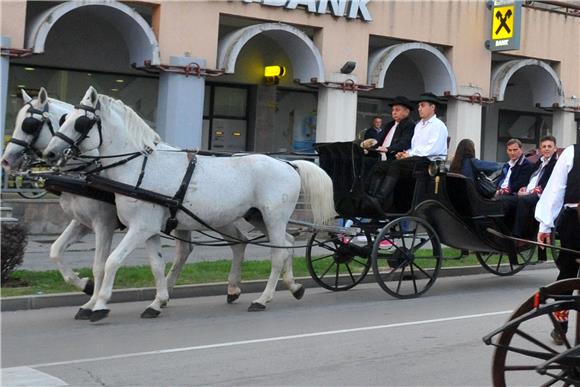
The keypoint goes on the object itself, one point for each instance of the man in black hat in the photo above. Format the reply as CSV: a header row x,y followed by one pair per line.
x,y
430,136
397,135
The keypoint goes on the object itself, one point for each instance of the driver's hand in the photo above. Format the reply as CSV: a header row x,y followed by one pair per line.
x,y
544,237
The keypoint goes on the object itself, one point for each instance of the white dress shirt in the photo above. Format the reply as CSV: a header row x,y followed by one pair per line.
x,y
552,198
537,174
389,140
430,138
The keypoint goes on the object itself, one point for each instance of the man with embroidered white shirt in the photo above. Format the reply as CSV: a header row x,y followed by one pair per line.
x,y
430,136
562,196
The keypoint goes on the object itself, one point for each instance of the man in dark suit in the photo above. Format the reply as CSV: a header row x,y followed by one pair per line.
x,y
397,135
376,129
516,173
528,196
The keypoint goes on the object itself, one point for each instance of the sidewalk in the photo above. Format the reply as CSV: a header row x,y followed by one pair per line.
x,y
81,254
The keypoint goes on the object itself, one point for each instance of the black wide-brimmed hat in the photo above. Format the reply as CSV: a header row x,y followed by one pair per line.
x,y
429,97
403,101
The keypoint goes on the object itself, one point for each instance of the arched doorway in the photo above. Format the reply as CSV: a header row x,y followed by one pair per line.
x,y
407,69
277,115
526,91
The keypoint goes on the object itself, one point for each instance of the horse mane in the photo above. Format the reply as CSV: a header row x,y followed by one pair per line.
x,y
141,135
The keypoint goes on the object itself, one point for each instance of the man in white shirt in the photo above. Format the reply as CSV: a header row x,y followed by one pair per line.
x,y
562,191
430,137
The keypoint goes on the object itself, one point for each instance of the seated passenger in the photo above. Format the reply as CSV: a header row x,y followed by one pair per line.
x,y
430,136
516,172
465,163
375,130
397,135
429,140
520,208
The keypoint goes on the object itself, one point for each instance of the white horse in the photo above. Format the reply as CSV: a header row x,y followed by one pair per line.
x,y
32,132
221,191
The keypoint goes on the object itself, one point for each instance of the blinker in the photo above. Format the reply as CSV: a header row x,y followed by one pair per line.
x,y
31,125
83,124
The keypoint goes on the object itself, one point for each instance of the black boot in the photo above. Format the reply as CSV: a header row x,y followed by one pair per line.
x,y
381,193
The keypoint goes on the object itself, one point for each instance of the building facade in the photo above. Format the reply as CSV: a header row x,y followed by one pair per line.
x,y
280,75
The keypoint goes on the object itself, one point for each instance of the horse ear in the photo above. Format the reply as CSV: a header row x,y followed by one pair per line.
x,y
93,95
42,96
25,97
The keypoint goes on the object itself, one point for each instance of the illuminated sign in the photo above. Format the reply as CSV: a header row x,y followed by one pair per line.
x,y
505,25
356,9
274,71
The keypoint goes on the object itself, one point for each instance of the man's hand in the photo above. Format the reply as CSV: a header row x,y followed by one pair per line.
x,y
523,192
402,155
544,237
383,149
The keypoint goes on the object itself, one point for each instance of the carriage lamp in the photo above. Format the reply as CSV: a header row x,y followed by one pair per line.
x,y
272,74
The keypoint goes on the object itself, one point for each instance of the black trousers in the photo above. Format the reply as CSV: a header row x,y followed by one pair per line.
x,y
569,233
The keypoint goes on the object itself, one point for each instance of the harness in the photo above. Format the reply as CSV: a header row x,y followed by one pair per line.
x,y
83,125
33,126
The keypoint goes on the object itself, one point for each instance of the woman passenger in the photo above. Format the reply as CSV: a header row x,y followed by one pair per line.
x,y
465,157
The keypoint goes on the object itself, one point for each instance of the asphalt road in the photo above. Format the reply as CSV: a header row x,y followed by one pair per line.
x,y
357,338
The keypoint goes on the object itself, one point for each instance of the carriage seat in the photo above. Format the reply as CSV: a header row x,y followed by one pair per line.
x,y
467,201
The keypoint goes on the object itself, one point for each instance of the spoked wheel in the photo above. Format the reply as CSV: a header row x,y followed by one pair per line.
x,y
406,257
338,262
525,353
499,263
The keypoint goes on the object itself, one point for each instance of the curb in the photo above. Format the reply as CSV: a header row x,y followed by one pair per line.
x,y
10,304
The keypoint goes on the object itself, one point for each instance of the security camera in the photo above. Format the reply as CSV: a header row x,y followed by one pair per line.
x,y
348,67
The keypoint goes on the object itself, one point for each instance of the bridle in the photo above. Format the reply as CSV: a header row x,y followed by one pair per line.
x,y
83,126
33,126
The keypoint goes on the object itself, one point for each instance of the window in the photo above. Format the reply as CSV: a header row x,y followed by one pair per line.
x,y
525,126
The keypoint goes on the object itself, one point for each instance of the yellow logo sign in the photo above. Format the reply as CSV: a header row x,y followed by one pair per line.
x,y
503,23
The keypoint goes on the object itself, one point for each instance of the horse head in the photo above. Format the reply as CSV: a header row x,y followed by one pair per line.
x,y
34,127
79,133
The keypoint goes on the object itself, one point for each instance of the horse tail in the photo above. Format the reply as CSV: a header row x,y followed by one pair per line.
x,y
317,186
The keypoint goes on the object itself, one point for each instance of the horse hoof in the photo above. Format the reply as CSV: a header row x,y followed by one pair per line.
x,y
98,315
89,287
256,307
298,294
150,313
232,298
83,314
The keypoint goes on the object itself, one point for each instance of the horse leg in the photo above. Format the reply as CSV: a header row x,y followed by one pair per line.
x,y
277,236
132,239
72,233
238,251
182,252
103,240
158,269
296,289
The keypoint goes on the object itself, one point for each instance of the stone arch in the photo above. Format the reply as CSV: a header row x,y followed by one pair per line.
x,y
139,36
304,55
436,70
545,84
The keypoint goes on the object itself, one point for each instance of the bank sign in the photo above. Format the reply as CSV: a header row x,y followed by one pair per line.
x,y
505,25
351,9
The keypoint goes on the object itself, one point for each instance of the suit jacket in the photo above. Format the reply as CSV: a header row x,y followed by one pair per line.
x,y
373,133
402,138
520,175
547,171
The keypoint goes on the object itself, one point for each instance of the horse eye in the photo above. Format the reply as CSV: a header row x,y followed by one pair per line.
x,y
62,119
31,125
83,124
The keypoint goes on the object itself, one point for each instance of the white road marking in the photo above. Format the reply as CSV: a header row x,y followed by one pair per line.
x,y
270,339
26,376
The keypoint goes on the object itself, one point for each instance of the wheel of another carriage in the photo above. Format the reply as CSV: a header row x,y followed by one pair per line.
x,y
337,262
526,353
406,257
502,264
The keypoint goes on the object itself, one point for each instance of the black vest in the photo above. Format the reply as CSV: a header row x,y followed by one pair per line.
x,y
572,194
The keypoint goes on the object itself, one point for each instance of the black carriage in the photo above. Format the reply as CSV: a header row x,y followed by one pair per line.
x,y
402,243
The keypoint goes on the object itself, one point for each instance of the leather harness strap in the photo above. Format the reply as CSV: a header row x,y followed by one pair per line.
x,y
175,205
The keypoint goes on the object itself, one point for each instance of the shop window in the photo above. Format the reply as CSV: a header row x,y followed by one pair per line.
x,y
525,126
138,92
230,101
295,121
225,121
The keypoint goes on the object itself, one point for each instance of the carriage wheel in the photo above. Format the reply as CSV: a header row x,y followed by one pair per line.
x,y
406,257
499,263
521,349
339,263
